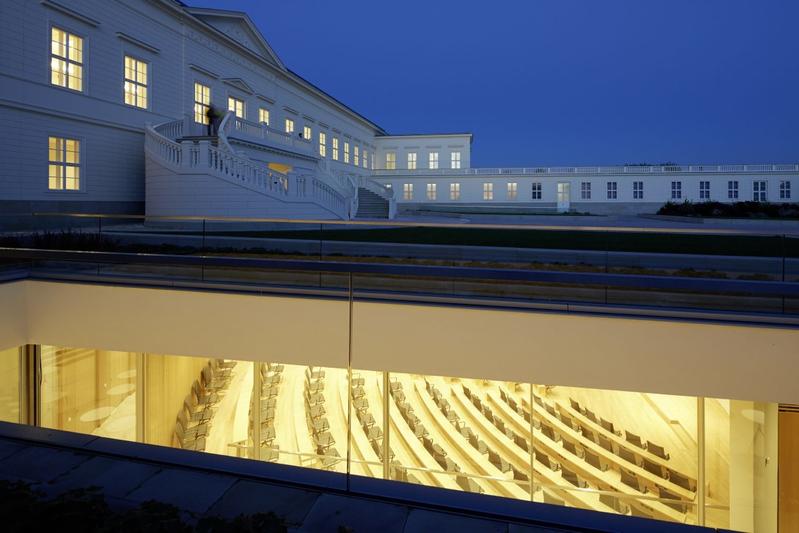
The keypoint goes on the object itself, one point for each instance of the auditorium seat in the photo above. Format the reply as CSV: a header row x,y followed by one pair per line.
x,y
609,426
614,503
547,430
553,500
681,480
654,468
668,495
544,460
634,439
495,459
631,480
573,478
590,415
657,450
588,433
594,460
575,405
571,447
606,443
468,484
627,455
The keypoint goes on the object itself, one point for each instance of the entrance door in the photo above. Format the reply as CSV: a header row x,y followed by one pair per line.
x,y
564,196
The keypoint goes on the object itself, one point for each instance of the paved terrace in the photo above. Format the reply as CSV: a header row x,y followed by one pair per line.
x,y
308,500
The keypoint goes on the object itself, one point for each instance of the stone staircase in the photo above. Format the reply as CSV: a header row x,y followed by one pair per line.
x,y
371,205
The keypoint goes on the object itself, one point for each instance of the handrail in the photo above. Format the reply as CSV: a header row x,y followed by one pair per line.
x,y
760,288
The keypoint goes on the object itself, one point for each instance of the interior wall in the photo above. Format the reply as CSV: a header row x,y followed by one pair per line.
x,y
13,317
789,471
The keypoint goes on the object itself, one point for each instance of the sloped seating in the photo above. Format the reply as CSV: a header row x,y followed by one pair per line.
x,y
631,480
573,478
608,425
468,484
666,494
614,503
681,480
634,439
594,460
657,450
545,460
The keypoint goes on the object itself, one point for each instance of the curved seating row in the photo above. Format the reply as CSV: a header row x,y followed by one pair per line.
x,y
199,406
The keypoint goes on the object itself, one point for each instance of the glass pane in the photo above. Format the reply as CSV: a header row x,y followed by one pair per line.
x,y
9,385
368,444
89,391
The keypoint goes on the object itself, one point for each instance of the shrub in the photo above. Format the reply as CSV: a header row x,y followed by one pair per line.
x,y
733,210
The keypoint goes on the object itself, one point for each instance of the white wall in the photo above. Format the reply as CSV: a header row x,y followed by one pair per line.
x,y
422,146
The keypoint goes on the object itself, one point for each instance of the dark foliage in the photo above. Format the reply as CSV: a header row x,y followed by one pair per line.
x,y
734,210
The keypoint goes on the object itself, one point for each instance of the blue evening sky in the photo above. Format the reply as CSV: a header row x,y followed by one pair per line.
x,y
557,82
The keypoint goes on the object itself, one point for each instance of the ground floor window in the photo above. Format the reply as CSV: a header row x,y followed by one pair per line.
x,y
704,190
638,190
759,191
536,191
407,191
676,190
512,190
488,191
785,190
64,164
454,191
732,189
612,190
431,191
585,190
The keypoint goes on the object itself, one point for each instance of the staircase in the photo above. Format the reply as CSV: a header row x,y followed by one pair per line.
x,y
371,205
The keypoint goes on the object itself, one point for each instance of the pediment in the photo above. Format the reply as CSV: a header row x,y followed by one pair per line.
x,y
239,84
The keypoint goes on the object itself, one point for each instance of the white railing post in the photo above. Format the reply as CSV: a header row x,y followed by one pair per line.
x,y
185,154
204,148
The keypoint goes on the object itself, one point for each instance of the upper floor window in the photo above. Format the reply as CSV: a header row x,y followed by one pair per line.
x,y
64,164
307,134
704,190
335,148
513,189
676,190
263,115
407,191
202,103
612,190
356,155
411,160
454,191
289,126
235,105
536,191
431,191
759,190
785,190
346,152
638,190
488,191
455,160
732,189
365,158
66,59
391,160
322,144
135,82
433,160
585,190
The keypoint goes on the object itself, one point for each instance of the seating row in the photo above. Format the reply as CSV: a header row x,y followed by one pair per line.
x,y
199,406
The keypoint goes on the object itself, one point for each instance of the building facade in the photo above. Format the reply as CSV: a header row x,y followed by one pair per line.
x,y
151,106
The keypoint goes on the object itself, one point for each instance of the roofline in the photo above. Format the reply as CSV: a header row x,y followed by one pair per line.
x,y
427,135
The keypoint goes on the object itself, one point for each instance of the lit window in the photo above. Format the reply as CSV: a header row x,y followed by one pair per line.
x,y
263,116
407,191
454,191
202,103
289,126
612,190
64,168
356,156
585,190
411,160
235,105
513,189
676,190
135,82
638,190
307,134
322,144
488,191
455,160
536,191
365,158
785,190
335,148
346,152
433,159
732,189
704,190
391,160
759,190
431,191
66,60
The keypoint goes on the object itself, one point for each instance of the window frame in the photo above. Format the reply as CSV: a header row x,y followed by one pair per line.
x,y
391,160
335,148
760,195
407,191
455,162
264,111
307,129
455,191
433,160
537,191
585,190
243,106
322,144
613,190
289,126
704,189
414,156
207,106
512,191
638,190
488,191
733,187
84,56
785,189
63,164
346,151
676,190
125,80
356,155
432,192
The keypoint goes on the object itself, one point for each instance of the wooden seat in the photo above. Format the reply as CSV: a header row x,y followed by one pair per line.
x,y
668,495
573,478
468,484
609,426
654,468
544,460
681,480
634,439
632,480
657,450
594,460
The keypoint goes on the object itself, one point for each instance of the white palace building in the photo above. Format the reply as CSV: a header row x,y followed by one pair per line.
x,y
105,107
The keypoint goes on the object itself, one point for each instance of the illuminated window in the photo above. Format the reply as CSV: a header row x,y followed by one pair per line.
x,y
433,160
356,156
235,105
513,190
346,152
455,160
263,116
407,191
66,59
202,103
732,189
64,167
612,190
454,191
638,190
335,148
411,160
785,190
488,191
431,191
704,190
585,190
322,144
391,160
289,126
759,190
307,133
135,82
676,190
536,191
365,158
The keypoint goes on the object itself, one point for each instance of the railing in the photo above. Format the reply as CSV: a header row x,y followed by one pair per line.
x,y
171,130
261,131
159,145
614,170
